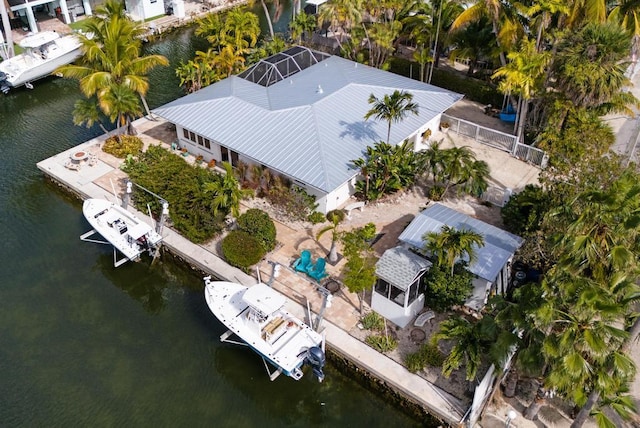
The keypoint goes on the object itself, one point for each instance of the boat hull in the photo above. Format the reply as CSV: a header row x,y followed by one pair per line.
x,y
122,229
36,63
281,339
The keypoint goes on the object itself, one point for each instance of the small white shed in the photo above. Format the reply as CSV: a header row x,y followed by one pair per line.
x,y
398,294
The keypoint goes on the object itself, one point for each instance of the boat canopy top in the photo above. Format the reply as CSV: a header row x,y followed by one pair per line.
x,y
38,39
139,230
264,299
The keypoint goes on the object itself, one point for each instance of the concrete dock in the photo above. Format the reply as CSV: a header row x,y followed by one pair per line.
x,y
103,177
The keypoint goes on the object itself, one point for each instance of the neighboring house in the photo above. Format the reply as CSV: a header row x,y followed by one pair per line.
x,y
398,295
24,11
300,113
492,267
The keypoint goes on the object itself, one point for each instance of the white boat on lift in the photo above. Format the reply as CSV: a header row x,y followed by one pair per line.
x,y
123,230
43,53
257,316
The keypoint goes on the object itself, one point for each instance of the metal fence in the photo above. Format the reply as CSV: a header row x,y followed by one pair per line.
x,y
497,139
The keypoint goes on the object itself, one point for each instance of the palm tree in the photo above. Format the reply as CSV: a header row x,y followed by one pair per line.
x,y
302,25
450,245
111,61
459,165
86,112
471,342
475,42
227,193
392,108
335,217
504,21
589,68
523,76
227,61
242,28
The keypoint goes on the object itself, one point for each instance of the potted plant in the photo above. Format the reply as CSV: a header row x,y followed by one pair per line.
x,y
199,159
212,163
184,151
426,135
444,126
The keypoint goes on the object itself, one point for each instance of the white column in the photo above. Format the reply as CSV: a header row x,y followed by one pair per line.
x,y
87,7
65,11
178,9
33,25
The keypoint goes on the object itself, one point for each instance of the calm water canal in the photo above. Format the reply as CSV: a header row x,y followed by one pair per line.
x,y
85,344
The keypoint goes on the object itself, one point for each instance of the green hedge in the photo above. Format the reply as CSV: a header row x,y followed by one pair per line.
x,y
241,249
258,224
183,186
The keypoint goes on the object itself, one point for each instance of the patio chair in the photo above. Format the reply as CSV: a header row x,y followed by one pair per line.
x,y
317,271
303,263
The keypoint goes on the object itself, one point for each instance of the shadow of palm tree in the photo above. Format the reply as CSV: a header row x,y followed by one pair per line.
x,y
359,131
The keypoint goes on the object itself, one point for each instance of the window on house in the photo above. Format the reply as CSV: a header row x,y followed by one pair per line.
x,y
207,143
200,140
185,133
192,136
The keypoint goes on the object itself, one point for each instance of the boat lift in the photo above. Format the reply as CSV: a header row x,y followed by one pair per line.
x,y
86,237
158,226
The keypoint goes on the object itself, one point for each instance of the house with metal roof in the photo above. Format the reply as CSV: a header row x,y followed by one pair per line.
x,y
300,113
492,267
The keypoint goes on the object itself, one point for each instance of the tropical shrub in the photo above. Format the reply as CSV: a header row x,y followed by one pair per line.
x,y
316,217
524,211
242,250
372,321
428,355
436,193
445,290
183,186
258,224
381,343
121,146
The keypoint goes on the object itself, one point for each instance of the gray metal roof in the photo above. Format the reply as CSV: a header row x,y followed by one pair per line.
x,y
401,267
310,125
499,245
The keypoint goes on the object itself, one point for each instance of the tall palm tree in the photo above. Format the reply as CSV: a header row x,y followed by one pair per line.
x,y
504,21
392,108
523,76
450,245
111,61
242,28
302,25
589,68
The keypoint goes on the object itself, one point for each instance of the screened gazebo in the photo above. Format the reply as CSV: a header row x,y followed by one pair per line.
x,y
398,294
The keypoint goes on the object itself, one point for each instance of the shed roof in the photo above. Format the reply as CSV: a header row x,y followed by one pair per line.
x,y
309,125
401,267
499,245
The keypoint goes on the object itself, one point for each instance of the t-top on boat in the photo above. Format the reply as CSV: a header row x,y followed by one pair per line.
x,y
43,53
257,316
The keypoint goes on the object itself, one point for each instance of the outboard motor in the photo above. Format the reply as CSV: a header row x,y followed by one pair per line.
x,y
316,358
4,85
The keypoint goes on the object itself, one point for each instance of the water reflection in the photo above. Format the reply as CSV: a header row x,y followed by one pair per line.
x,y
141,281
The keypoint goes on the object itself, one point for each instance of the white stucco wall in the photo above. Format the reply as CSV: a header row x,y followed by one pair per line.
x,y
139,10
400,316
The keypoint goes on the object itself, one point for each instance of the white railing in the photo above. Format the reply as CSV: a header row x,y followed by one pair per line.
x,y
497,139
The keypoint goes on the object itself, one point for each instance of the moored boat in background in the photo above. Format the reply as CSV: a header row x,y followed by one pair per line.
x,y
43,53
